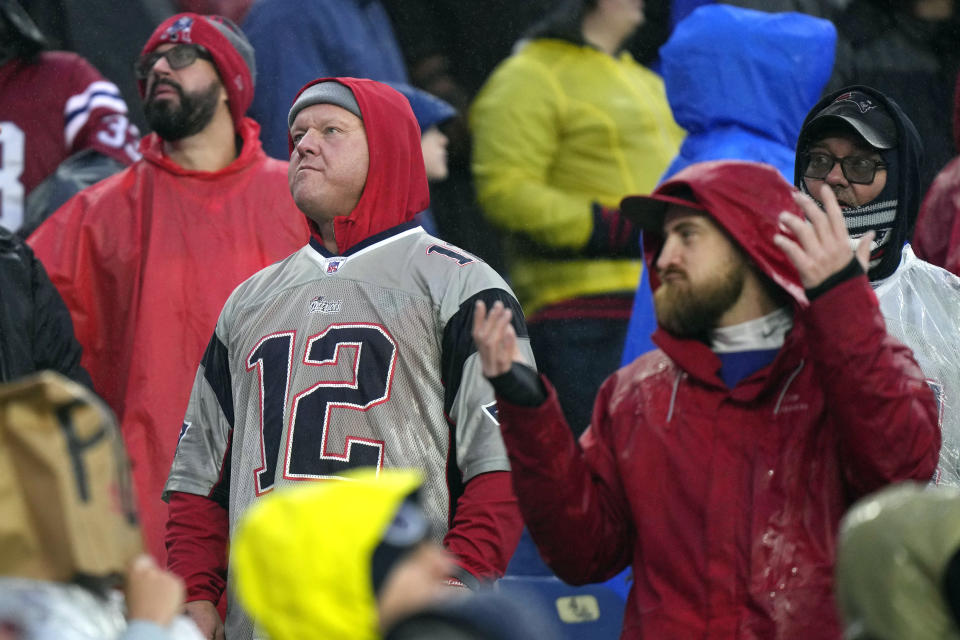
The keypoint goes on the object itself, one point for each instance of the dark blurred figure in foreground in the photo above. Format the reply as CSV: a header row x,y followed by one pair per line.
x,y
898,565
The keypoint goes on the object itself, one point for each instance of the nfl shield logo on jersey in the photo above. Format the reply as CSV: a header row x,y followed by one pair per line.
x,y
334,264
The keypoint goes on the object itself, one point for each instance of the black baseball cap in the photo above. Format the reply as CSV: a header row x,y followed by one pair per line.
x,y
864,113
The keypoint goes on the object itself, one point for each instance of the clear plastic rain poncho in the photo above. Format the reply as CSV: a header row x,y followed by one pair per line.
x,y
920,303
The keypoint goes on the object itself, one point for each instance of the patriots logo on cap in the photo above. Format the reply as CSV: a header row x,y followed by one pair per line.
x,y
179,31
864,104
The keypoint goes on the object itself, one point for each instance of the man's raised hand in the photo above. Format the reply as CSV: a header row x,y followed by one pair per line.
x,y
820,246
495,338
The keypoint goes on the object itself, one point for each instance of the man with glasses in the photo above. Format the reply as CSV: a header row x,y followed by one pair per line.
x,y
868,152
145,259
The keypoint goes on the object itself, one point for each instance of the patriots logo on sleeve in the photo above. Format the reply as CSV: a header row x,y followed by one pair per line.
x,y
491,412
183,431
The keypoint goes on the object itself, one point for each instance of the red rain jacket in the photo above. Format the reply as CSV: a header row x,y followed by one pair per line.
x,y
144,261
726,502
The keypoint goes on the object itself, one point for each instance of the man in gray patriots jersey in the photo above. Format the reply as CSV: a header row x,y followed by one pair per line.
x,y
353,352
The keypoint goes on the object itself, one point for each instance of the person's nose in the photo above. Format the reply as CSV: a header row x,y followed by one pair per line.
x,y
835,176
669,255
307,145
161,66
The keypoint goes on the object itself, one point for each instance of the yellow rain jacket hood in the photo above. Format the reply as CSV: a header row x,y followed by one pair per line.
x,y
303,557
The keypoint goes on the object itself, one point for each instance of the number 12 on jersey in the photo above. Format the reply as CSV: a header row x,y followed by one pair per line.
x,y
308,452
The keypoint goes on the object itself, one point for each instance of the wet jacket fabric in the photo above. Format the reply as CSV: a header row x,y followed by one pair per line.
x,y
144,261
725,502
35,329
936,237
557,127
708,71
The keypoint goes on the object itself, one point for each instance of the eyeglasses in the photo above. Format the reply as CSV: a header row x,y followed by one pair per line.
x,y
856,169
178,57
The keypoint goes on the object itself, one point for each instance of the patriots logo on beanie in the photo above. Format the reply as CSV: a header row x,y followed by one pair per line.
x,y
232,53
179,31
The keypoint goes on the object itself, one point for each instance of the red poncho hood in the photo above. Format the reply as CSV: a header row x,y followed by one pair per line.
x,y
744,198
396,187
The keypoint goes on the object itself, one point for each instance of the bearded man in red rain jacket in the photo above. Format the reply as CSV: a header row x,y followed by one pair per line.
x,y
145,259
719,465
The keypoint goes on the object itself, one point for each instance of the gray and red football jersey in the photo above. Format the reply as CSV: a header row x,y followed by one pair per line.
x,y
321,363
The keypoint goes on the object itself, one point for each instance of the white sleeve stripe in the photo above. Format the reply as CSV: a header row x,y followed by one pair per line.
x,y
78,101
76,121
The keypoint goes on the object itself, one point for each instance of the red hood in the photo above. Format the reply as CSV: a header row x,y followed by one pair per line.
x,y
745,198
249,131
396,187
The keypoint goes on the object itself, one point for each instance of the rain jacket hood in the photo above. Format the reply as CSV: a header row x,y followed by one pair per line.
x,y
327,589
396,187
750,103
744,198
909,154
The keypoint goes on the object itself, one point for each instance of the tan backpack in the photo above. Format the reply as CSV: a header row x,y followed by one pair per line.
x,y
67,509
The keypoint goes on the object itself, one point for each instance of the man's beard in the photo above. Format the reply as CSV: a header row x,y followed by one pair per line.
x,y
688,310
173,120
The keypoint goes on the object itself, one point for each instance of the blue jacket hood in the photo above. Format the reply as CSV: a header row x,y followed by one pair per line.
x,y
741,82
